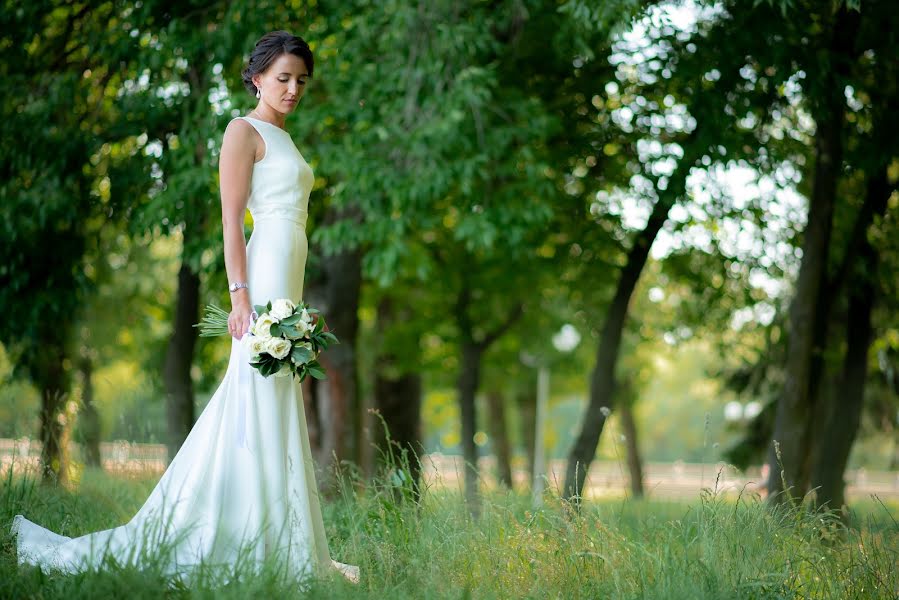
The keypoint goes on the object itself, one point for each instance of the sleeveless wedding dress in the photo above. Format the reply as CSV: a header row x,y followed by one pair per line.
x,y
242,486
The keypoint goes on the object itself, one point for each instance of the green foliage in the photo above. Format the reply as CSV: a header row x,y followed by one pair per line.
x,y
19,402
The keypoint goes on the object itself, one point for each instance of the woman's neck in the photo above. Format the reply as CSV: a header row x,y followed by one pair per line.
x,y
268,114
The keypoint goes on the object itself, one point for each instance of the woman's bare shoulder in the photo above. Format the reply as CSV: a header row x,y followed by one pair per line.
x,y
241,135
239,128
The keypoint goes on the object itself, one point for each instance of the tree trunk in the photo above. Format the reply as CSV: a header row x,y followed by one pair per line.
x,y
842,426
398,398
310,401
499,437
789,456
789,452
179,358
634,461
602,384
472,351
54,386
875,201
467,385
894,460
842,416
398,401
336,293
527,409
331,419
601,387
791,440
89,420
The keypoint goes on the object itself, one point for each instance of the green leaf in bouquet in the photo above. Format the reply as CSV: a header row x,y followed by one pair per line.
x,y
319,325
323,339
316,372
270,367
260,309
276,330
265,363
291,333
301,354
291,320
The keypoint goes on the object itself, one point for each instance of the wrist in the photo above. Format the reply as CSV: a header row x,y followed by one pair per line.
x,y
240,298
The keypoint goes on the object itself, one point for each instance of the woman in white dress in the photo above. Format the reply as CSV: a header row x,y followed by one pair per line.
x,y
242,486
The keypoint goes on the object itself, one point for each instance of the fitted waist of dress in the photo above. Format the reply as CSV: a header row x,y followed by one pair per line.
x,y
280,213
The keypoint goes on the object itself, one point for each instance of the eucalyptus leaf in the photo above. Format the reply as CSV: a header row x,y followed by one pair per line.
x,y
289,332
291,320
301,354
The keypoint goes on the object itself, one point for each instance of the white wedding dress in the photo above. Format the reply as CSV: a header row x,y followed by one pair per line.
x,y
242,486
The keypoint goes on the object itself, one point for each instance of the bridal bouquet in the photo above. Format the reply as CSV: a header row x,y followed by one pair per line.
x,y
284,338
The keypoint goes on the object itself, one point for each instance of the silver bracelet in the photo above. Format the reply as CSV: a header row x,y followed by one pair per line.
x,y
236,286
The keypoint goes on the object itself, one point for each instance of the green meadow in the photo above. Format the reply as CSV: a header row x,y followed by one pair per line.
x,y
711,547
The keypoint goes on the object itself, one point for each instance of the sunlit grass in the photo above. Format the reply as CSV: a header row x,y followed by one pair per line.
x,y
710,548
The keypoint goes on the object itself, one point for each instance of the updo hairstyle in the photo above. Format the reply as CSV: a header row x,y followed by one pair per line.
x,y
268,49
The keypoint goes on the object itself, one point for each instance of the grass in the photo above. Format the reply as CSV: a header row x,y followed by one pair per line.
x,y
714,547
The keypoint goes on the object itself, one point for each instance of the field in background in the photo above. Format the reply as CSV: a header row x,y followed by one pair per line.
x,y
676,480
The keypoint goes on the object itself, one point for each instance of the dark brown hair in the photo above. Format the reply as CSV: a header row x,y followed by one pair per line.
x,y
271,46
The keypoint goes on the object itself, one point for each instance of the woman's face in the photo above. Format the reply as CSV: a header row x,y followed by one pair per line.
x,y
283,83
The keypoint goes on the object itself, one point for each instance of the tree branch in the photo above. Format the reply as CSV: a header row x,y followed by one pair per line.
x,y
503,327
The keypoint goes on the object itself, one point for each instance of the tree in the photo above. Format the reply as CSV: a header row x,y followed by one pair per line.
x,y
435,204
831,51
662,179
57,66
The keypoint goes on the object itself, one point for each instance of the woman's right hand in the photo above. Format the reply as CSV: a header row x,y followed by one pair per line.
x,y
239,318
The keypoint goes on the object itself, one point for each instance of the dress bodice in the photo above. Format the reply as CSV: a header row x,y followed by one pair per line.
x,y
282,180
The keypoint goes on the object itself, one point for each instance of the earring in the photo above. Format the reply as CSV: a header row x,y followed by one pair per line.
x,y
258,93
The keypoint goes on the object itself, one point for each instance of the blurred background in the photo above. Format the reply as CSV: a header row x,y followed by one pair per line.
x,y
624,243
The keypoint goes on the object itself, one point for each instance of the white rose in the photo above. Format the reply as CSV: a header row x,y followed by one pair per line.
x,y
254,344
262,326
282,308
305,317
278,347
303,327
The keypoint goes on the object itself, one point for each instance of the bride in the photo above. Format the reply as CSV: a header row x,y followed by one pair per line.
x,y
242,486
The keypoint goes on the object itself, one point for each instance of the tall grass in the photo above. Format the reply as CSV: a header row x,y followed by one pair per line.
x,y
715,547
